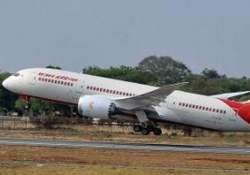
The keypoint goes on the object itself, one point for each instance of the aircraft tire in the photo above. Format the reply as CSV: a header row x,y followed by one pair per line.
x,y
145,131
157,131
137,128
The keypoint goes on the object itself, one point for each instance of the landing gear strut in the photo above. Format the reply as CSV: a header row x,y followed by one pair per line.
x,y
146,126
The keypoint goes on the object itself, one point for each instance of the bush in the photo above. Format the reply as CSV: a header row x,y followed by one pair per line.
x,y
46,122
53,121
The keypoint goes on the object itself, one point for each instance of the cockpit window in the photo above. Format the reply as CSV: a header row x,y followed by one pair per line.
x,y
16,74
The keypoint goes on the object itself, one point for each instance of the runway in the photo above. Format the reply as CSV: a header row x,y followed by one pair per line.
x,y
126,146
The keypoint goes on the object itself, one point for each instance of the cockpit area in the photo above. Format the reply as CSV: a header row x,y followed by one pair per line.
x,y
16,74
14,82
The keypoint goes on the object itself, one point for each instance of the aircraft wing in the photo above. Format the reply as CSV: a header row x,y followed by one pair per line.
x,y
230,95
159,95
149,99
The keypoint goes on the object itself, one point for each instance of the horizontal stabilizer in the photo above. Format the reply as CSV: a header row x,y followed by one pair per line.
x,y
231,95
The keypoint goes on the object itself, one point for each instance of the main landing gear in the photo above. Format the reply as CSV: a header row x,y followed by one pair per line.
x,y
145,130
146,126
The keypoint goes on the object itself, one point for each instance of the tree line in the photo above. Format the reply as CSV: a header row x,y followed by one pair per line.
x,y
153,70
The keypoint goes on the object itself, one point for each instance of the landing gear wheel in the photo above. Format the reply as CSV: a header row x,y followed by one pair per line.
x,y
157,131
145,131
137,128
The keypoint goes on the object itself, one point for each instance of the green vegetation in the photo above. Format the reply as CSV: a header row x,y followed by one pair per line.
x,y
153,70
7,99
161,71
166,69
132,74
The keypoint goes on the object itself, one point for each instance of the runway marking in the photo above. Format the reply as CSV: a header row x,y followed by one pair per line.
x,y
126,146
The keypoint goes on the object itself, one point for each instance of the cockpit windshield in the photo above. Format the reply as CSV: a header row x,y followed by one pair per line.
x,y
16,74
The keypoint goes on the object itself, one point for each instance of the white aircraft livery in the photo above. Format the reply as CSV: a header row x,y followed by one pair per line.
x,y
105,98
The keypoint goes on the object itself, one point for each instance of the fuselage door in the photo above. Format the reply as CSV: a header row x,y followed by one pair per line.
x,y
77,91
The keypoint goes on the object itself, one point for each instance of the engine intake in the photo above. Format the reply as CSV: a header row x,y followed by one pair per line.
x,y
95,106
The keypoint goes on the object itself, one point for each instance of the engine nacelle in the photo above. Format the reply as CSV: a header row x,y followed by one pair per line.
x,y
95,106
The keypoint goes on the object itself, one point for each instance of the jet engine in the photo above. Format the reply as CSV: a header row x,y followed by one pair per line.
x,y
95,106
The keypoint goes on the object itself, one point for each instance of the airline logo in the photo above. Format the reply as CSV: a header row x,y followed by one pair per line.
x,y
57,77
91,105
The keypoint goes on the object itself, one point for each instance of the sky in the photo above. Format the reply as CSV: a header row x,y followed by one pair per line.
x,y
75,34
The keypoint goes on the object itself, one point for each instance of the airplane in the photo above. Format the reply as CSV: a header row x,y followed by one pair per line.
x,y
105,98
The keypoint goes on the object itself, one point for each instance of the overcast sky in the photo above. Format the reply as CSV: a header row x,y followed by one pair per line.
x,y
77,33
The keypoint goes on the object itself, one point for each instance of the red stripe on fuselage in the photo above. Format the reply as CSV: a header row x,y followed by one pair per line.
x,y
243,110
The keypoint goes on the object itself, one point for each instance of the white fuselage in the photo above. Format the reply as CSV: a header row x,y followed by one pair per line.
x,y
179,107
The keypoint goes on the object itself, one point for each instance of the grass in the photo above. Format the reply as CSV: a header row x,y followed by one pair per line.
x,y
118,134
72,169
24,160
38,160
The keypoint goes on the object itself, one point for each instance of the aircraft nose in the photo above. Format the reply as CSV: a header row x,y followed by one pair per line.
x,y
6,83
12,84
